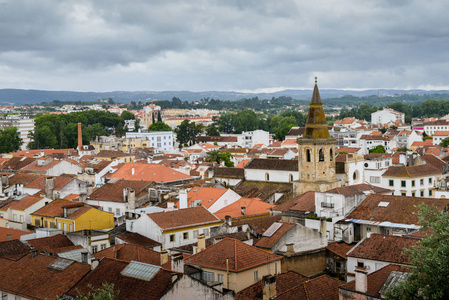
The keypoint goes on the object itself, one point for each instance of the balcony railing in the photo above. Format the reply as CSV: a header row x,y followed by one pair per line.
x,y
325,204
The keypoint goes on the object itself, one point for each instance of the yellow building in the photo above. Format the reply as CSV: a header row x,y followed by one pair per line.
x,y
235,264
111,155
71,216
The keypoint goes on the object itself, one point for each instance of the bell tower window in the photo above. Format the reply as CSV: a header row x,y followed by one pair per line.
x,y
321,155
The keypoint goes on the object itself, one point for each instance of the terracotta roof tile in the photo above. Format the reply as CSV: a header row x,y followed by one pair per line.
x,y
307,201
237,172
148,172
15,233
435,161
13,249
55,208
411,171
273,164
181,218
387,248
17,163
253,206
114,191
23,203
267,242
134,238
111,154
35,168
128,252
264,190
207,195
358,189
400,209
109,270
222,139
377,279
31,278
284,282
322,287
50,243
340,248
239,255
348,149
259,225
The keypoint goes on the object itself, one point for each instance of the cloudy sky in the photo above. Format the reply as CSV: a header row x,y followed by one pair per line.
x,y
226,45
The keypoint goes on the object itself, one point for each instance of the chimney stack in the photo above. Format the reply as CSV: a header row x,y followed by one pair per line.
x,y
5,180
164,257
290,249
49,187
323,226
269,287
80,137
84,257
201,243
182,199
8,237
131,199
361,279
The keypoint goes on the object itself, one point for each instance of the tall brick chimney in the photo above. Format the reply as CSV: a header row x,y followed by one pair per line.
x,y
80,137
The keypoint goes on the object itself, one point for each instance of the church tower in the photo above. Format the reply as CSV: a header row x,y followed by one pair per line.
x,y
316,152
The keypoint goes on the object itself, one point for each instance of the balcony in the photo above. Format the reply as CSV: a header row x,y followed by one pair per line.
x,y
326,204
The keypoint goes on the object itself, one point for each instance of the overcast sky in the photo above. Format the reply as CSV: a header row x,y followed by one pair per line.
x,y
260,45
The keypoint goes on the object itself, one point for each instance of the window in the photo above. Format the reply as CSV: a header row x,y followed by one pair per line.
x,y
421,181
208,276
403,184
103,246
110,209
403,194
206,232
185,235
117,211
308,155
291,178
220,278
421,193
94,249
321,155
368,229
430,192
195,234
387,231
374,179
172,238
413,194
256,275
360,264
430,180
413,183
391,182
331,155
267,177
70,227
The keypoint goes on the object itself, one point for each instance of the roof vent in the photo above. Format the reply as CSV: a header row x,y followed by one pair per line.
x,y
383,204
60,264
140,270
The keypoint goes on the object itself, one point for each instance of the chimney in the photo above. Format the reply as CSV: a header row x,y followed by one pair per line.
x,y
403,158
8,237
131,199
228,221
34,252
323,226
243,210
64,212
361,279
177,262
201,243
290,249
269,287
164,257
80,137
132,171
182,199
84,257
49,187
5,180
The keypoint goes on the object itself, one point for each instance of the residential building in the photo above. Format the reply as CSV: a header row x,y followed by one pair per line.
x,y
71,216
92,240
175,228
247,139
430,128
439,136
415,181
234,263
387,115
24,125
229,177
271,170
211,198
245,208
47,165
349,168
374,166
112,155
368,142
163,140
19,211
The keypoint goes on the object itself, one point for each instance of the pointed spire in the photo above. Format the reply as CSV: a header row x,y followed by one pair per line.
x,y
316,99
316,125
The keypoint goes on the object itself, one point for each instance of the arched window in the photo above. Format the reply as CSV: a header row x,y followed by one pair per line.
x,y
267,177
321,155
308,155
291,177
331,154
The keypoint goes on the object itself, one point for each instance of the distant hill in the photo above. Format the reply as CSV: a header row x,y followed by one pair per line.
x,y
18,96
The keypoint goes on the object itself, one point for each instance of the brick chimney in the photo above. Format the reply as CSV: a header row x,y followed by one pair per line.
x,y
164,257
80,138
269,287
361,279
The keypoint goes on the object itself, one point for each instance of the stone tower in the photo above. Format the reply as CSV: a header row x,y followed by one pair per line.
x,y
316,152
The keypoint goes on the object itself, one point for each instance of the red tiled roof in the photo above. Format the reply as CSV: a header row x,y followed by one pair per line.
x,y
347,149
207,195
114,191
304,202
340,248
109,270
50,243
148,172
54,208
400,209
358,189
267,242
388,248
17,163
35,168
253,206
128,252
259,225
411,171
376,280
13,249
15,233
22,204
31,278
322,287
134,238
181,218
239,255
284,282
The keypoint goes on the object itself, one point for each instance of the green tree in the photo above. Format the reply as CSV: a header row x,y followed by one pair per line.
x,y
225,123
285,124
159,117
159,126
402,149
377,149
445,142
428,278
94,130
105,292
127,115
212,129
245,120
219,157
10,140
187,131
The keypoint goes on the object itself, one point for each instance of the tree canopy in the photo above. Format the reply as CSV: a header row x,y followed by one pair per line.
x,y
428,278
159,126
219,157
187,131
377,149
10,140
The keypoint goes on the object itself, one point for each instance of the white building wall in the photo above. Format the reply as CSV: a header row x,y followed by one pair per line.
x,y
385,116
64,167
274,175
158,139
226,199
422,186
